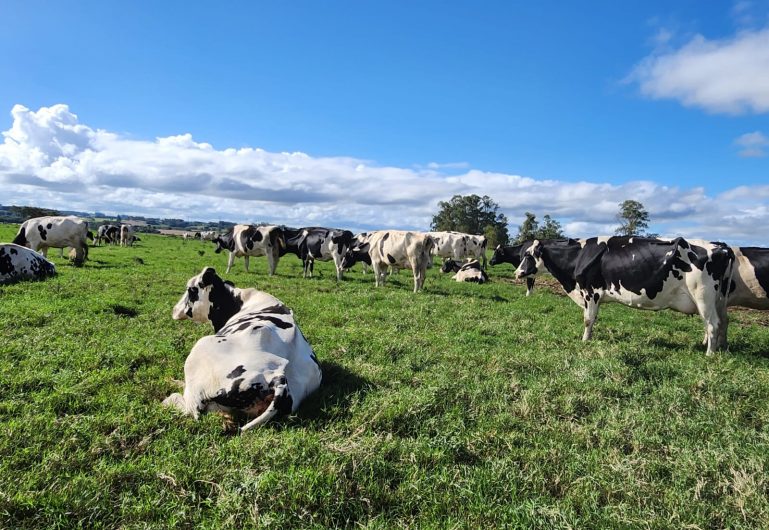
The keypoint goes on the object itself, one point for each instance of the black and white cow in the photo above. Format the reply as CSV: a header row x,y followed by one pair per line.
x,y
459,246
107,233
397,248
257,363
317,243
465,272
512,255
750,281
42,233
642,273
19,263
127,235
251,240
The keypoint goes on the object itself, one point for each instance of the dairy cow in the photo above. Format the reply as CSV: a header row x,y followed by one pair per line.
x,y
256,363
750,281
465,272
19,263
42,233
107,233
512,255
459,246
251,240
316,243
127,236
642,273
396,248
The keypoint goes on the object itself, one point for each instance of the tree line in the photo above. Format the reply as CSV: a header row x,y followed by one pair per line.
x,y
473,214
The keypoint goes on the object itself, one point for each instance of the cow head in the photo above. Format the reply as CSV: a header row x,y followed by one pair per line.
x,y
531,261
498,257
450,266
225,242
208,299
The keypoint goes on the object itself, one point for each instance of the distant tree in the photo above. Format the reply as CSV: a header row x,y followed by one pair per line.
x,y
550,229
28,212
528,230
633,219
472,214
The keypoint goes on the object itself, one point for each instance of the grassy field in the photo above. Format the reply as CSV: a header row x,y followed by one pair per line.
x,y
461,406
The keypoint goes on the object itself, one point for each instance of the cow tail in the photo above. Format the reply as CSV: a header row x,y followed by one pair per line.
x,y
20,238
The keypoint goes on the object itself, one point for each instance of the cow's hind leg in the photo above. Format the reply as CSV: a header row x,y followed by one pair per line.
x,y
246,262
592,301
230,261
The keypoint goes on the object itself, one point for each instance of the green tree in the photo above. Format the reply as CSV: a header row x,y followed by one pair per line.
x,y
633,219
472,214
528,230
29,212
550,229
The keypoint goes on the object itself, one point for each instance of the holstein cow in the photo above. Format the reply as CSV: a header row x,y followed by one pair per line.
x,y
127,235
108,233
316,243
467,272
358,252
208,235
42,233
397,248
750,281
257,363
21,263
250,240
459,246
512,255
642,273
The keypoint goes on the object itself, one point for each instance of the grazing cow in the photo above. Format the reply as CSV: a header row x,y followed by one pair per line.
x,y
21,263
512,255
358,252
108,233
42,233
640,272
467,272
398,248
208,235
316,243
127,236
257,363
250,240
459,246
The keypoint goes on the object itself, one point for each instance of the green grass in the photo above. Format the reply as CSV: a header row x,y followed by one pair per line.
x,y
461,406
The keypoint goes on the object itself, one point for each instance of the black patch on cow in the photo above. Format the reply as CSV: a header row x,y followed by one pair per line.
x,y
284,403
390,259
20,238
282,324
277,310
6,263
49,226
43,232
759,259
188,312
387,234
258,236
224,303
193,294
237,372
241,398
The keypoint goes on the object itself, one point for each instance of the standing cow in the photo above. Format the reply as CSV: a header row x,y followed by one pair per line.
x,y
459,246
107,233
250,240
21,263
42,233
642,273
127,236
257,363
317,243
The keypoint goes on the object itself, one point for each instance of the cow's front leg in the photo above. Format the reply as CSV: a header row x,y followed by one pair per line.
x,y
529,285
592,301
230,261
175,400
245,258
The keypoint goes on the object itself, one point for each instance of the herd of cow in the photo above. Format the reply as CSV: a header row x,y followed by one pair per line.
x,y
257,362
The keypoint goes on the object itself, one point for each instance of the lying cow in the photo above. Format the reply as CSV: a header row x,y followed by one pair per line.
x,y
107,233
642,273
512,255
467,272
257,363
250,240
19,263
459,246
42,233
396,248
322,244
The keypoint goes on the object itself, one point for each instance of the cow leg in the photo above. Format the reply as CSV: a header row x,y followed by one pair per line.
x,y
245,258
378,273
175,400
230,261
529,286
61,252
305,265
716,324
338,264
590,315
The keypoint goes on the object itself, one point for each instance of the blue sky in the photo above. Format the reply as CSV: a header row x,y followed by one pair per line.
x,y
609,97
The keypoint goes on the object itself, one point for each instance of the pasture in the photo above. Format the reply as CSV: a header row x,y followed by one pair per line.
x,y
461,406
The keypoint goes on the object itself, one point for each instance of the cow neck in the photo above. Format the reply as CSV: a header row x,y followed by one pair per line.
x,y
225,303
561,263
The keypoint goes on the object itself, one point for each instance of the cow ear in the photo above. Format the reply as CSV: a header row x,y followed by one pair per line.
x,y
208,276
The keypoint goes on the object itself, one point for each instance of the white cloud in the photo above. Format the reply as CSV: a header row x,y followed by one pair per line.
x,y
49,159
753,144
728,76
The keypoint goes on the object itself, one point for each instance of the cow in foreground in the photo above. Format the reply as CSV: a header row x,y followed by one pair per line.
x,y
316,243
257,363
251,240
642,273
512,255
459,246
42,233
397,248
467,272
19,263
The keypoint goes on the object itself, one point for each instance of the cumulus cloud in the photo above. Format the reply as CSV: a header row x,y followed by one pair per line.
x,y
729,76
50,159
752,144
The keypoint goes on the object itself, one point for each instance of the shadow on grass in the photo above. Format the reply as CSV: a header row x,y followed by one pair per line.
x,y
332,400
